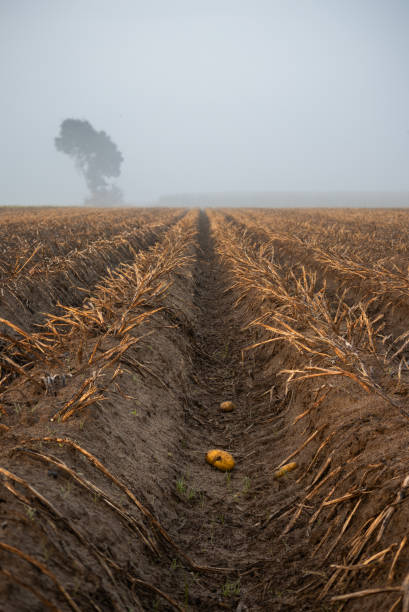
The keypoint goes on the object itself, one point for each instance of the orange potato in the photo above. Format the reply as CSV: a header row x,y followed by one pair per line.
x,y
220,459
227,406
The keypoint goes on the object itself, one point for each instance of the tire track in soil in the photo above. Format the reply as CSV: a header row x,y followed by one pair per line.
x,y
213,506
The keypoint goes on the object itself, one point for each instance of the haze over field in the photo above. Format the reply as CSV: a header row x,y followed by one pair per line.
x,y
207,95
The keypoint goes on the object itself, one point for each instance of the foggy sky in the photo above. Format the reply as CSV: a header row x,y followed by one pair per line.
x,y
206,95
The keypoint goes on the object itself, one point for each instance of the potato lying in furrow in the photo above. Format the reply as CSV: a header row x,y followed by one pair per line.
x,y
227,406
220,459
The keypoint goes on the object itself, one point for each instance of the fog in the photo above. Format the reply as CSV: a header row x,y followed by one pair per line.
x,y
206,96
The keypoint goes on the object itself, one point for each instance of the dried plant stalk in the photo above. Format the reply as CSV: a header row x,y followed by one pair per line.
x,y
43,569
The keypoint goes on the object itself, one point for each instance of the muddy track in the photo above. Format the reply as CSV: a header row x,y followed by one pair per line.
x,y
216,508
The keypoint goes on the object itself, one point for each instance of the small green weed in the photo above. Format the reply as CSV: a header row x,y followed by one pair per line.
x,y
231,589
30,512
226,350
65,491
184,491
202,499
156,604
46,551
174,565
191,494
246,485
181,486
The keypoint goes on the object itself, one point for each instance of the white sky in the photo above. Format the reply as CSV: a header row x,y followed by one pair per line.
x,y
212,95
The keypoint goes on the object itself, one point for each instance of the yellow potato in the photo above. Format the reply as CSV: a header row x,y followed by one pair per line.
x,y
227,406
220,459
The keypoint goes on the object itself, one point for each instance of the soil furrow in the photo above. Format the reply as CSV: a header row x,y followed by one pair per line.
x,y
214,505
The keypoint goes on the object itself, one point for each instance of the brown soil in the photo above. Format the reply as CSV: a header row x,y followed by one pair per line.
x,y
216,541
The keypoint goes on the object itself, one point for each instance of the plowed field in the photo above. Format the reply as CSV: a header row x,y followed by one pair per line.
x,y
121,333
